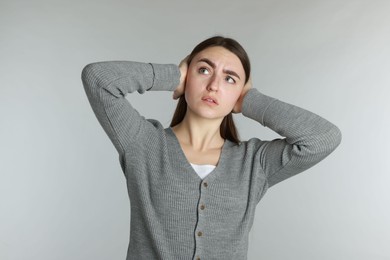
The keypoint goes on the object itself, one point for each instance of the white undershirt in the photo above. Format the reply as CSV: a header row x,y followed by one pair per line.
x,y
203,170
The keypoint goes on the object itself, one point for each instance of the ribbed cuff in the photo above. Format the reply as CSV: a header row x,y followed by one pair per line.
x,y
255,105
166,77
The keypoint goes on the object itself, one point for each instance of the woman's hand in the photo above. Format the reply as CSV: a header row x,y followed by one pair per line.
x,y
179,91
238,107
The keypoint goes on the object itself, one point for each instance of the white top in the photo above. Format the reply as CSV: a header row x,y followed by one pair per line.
x,y
203,170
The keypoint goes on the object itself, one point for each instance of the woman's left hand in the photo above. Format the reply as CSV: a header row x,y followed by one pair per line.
x,y
238,107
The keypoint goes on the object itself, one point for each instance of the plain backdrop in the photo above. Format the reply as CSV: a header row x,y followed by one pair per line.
x,y
62,192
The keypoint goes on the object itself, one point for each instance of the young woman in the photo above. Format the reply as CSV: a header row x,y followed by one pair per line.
x,y
194,186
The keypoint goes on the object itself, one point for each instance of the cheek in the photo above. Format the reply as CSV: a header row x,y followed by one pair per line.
x,y
189,81
193,86
191,77
189,89
233,97
190,92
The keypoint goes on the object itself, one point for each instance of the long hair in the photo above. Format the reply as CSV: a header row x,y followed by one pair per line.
x,y
227,128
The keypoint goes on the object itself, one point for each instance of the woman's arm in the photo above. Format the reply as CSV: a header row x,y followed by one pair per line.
x,y
106,85
309,138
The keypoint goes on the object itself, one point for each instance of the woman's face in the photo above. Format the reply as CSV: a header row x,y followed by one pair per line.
x,y
215,79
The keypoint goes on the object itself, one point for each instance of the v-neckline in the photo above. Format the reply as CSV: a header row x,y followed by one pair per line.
x,y
214,173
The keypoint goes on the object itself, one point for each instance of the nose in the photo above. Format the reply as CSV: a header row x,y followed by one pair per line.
x,y
213,84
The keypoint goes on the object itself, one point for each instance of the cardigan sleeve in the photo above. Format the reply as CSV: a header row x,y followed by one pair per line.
x,y
307,137
107,84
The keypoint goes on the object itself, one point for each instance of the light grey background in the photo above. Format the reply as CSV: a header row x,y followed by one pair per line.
x,y
62,192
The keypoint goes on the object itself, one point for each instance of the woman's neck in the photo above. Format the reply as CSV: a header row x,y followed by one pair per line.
x,y
201,134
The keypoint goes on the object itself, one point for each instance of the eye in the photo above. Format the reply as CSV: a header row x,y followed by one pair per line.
x,y
204,71
230,80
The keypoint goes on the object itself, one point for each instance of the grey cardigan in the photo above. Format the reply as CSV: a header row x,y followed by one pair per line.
x,y
174,213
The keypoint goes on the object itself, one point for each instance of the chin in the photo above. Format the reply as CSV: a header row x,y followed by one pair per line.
x,y
211,116
207,113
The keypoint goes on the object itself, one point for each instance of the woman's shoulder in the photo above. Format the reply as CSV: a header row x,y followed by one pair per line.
x,y
148,134
246,146
254,141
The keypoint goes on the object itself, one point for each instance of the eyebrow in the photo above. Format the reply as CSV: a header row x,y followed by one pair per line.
x,y
212,64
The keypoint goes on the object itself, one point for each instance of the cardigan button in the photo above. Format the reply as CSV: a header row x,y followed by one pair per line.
x,y
202,207
197,258
205,184
200,234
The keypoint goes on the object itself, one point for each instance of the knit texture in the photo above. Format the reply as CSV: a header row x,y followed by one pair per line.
x,y
174,213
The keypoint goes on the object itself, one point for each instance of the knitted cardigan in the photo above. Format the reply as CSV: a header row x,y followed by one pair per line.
x,y
174,213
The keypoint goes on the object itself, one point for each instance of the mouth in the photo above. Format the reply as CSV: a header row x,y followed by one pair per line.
x,y
210,100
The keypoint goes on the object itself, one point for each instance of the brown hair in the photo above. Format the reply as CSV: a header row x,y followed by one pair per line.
x,y
227,129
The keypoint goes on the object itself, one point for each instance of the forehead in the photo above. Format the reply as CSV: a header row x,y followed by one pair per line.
x,y
221,57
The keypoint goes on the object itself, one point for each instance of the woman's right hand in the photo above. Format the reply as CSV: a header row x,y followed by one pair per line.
x,y
238,107
179,91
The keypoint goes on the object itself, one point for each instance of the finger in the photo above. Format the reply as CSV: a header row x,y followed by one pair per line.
x,y
176,95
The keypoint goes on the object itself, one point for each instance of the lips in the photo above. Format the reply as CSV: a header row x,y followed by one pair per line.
x,y
210,99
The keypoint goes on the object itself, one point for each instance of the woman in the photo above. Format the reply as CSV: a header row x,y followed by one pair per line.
x,y
194,186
